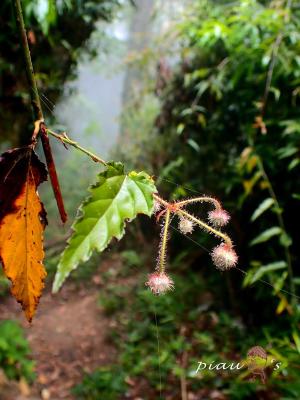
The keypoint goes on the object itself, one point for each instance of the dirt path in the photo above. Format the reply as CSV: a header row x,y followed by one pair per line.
x,y
68,337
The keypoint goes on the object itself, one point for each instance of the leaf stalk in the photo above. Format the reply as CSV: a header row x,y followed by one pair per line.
x,y
65,139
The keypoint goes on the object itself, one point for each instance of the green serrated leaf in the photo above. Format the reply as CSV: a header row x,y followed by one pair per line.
x,y
287,152
116,198
264,206
293,164
180,129
296,281
285,240
296,340
267,268
278,284
266,235
194,145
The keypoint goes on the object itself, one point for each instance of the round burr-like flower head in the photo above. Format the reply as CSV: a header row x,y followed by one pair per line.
x,y
159,283
218,217
185,225
224,257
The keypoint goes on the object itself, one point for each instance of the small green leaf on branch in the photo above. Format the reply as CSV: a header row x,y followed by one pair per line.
x,y
117,197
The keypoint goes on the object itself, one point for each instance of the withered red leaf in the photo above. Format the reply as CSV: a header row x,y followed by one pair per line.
x,y
53,174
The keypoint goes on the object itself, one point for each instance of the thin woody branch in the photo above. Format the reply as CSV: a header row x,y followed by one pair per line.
x,y
34,94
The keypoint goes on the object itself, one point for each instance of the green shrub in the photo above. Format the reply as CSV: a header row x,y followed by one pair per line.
x,y
14,352
4,284
104,383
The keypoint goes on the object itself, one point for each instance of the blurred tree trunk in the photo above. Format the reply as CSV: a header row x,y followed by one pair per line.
x,y
139,36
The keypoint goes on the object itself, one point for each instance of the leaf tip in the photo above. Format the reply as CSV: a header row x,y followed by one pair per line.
x,y
58,281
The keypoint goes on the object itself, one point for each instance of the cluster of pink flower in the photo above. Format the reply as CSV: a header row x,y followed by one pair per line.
x,y
223,256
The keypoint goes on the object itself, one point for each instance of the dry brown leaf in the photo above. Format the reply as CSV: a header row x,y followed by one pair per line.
x,y
22,222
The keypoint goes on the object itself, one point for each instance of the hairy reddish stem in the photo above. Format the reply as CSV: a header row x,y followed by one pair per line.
x,y
201,199
176,208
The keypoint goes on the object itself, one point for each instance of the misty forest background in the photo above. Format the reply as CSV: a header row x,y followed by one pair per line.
x,y
204,96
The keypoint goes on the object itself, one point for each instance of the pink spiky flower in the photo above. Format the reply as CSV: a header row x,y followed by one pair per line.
x,y
159,283
218,217
224,257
